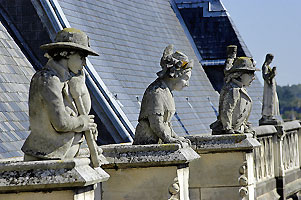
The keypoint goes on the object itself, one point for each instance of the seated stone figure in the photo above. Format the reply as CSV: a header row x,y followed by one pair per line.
x,y
235,104
158,106
59,100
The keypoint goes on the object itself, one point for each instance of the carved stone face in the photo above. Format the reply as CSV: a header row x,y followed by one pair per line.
x,y
182,81
247,78
76,62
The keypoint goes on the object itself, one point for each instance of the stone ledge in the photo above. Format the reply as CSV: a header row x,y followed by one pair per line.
x,y
265,130
291,125
223,143
16,176
153,155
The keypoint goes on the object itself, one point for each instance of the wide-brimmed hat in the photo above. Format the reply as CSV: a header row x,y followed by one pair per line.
x,y
243,64
70,38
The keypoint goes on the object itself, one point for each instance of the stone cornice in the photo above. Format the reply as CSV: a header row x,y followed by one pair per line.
x,y
153,155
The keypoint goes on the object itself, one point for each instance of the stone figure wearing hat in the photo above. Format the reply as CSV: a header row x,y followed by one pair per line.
x,y
55,122
270,104
235,104
158,106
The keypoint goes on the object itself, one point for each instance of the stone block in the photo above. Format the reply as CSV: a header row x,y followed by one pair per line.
x,y
72,179
139,183
66,195
77,194
147,171
217,169
194,194
220,193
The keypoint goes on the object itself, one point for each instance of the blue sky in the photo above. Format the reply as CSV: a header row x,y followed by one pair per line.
x,y
271,26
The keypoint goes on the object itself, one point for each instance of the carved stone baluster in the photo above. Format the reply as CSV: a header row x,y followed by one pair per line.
x,y
262,159
271,158
296,157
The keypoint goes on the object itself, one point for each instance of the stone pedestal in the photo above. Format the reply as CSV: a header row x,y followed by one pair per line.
x,y
50,179
225,170
147,172
273,121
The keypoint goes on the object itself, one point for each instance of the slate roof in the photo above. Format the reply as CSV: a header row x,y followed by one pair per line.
x,y
15,74
131,35
213,30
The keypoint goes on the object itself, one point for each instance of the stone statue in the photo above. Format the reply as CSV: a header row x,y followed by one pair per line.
x,y
59,101
231,55
235,104
270,104
158,106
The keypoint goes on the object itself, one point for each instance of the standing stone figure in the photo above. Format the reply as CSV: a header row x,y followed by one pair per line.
x,y
158,106
270,104
235,104
231,55
57,94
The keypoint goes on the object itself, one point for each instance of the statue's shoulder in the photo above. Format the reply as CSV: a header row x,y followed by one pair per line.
x,y
45,76
156,88
232,89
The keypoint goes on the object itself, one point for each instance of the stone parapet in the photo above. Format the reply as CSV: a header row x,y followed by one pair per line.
x,y
157,171
128,156
225,170
243,167
74,176
223,143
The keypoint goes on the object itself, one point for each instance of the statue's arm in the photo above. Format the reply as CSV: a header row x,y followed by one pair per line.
x,y
61,120
229,102
267,74
161,128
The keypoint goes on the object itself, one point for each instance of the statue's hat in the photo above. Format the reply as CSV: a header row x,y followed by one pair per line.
x,y
71,38
243,64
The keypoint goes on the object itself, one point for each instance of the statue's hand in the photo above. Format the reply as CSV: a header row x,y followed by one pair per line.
x,y
77,85
88,121
180,140
95,134
274,71
185,140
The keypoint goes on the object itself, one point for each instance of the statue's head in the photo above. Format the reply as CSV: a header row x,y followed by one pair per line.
x,y
269,58
176,68
72,45
243,69
231,51
174,64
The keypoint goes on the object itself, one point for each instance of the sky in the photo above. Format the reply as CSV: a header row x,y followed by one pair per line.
x,y
271,26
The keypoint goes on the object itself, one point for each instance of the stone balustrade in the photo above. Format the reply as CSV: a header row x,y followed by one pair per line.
x,y
242,167
277,163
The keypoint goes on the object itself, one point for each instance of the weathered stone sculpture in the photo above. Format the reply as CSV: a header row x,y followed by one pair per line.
x,y
158,106
59,101
235,104
231,55
270,104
